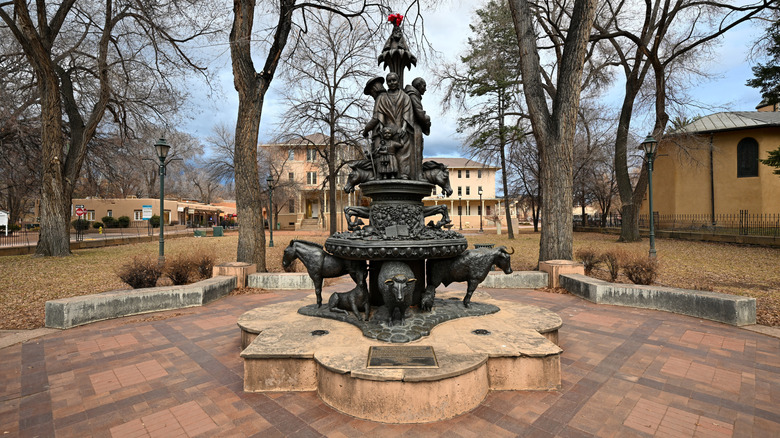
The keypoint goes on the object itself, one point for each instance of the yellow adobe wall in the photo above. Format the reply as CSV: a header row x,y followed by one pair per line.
x,y
682,186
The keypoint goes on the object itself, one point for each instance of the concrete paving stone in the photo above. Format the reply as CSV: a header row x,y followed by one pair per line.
x,y
727,380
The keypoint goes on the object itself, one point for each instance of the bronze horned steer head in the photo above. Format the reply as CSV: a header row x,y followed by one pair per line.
x,y
502,259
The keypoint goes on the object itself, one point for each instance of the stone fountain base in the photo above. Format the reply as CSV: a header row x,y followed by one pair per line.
x,y
287,351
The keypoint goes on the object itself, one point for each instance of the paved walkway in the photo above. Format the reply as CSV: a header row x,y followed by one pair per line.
x,y
626,372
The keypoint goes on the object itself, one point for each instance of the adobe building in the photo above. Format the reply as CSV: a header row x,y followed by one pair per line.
x,y
711,167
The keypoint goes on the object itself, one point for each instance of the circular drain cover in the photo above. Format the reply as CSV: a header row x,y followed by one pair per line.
x,y
319,332
481,332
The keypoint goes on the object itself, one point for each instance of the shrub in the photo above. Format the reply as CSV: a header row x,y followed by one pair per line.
x,y
204,264
80,225
155,221
109,221
589,258
641,269
179,269
123,221
97,225
140,272
614,259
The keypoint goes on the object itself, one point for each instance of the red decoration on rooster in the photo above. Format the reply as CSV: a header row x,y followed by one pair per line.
x,y
396,19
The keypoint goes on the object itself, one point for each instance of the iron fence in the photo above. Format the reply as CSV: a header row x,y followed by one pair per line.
x,y
743,223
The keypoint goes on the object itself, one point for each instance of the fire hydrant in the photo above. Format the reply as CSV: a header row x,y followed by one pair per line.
x,y
100,230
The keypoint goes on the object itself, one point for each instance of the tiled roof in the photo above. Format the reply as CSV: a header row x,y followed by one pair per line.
x,y
730,121
460,163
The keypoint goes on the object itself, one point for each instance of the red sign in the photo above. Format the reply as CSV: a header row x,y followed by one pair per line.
x,y
80,211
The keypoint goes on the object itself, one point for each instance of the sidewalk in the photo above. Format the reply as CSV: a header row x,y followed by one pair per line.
x,y
626,372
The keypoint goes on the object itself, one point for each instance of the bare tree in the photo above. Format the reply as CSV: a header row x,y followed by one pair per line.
x,y
486,86
656,54
325,77
252,86
89,58
553,125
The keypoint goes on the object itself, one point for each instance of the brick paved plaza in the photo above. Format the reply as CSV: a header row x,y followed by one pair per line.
x,y
626,372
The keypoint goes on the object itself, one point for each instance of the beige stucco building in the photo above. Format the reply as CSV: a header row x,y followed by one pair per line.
x,y
175,212
711,167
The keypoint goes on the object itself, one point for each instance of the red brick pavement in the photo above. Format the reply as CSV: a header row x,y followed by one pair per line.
x,y
626,372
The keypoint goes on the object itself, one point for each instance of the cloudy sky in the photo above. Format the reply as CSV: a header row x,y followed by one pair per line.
x,y
725,90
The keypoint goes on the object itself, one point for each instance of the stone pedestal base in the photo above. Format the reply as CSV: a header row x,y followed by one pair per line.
x,y
554,268
513,349
240,270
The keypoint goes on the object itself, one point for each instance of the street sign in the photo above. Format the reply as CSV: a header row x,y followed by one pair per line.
x,y
80,211
147,212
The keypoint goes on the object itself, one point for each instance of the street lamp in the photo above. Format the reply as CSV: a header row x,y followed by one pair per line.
x,y
270,180
650,147
480,209
162,149
460,213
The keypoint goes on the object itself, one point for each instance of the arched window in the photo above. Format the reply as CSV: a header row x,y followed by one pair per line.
x,y
747,158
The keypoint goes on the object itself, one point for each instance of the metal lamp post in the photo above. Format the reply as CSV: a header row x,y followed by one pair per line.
x,y
480,209
460,213
650,147
162,149
270,180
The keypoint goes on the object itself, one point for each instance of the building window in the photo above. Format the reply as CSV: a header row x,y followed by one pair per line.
x,y
747,158
467,173
460,210
487,210
291,175
460,191
291,155
311,178
479,173
459,173
311,154
110,213
291,206
90,215
138,215
433,193
468,188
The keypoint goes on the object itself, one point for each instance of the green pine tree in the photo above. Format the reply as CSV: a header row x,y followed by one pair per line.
x,y
767,76
773,160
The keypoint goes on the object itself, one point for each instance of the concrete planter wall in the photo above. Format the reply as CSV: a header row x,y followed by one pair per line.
x,y
729,309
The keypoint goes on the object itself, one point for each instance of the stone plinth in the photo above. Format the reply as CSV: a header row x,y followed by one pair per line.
x,y
554,268
287,351
240,270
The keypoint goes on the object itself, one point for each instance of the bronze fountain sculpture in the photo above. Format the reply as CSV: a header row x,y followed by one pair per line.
x,y
397,244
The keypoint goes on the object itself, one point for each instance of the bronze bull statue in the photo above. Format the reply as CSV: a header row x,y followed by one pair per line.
x,y
472,266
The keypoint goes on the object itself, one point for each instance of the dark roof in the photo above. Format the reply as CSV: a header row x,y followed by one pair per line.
x,y
461,163
731,121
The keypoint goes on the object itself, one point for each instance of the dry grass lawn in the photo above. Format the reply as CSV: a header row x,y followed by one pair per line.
x,y
27,282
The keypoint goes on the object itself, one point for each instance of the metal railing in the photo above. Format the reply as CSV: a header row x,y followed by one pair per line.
x,y
743,223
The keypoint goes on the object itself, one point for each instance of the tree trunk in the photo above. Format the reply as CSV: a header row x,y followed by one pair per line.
x,y
249,199
332,182
251,87
554,131
54,237
502,140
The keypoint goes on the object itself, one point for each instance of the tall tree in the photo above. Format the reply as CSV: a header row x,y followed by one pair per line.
x,y
767,76
325,78
553,125
88,58
656,54
252,86
487,90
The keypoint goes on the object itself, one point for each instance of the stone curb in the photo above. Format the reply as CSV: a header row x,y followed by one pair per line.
x,y
70,312
729,309
280,280
516,280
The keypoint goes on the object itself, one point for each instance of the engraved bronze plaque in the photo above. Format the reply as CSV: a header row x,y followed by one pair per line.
x,y
408,356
